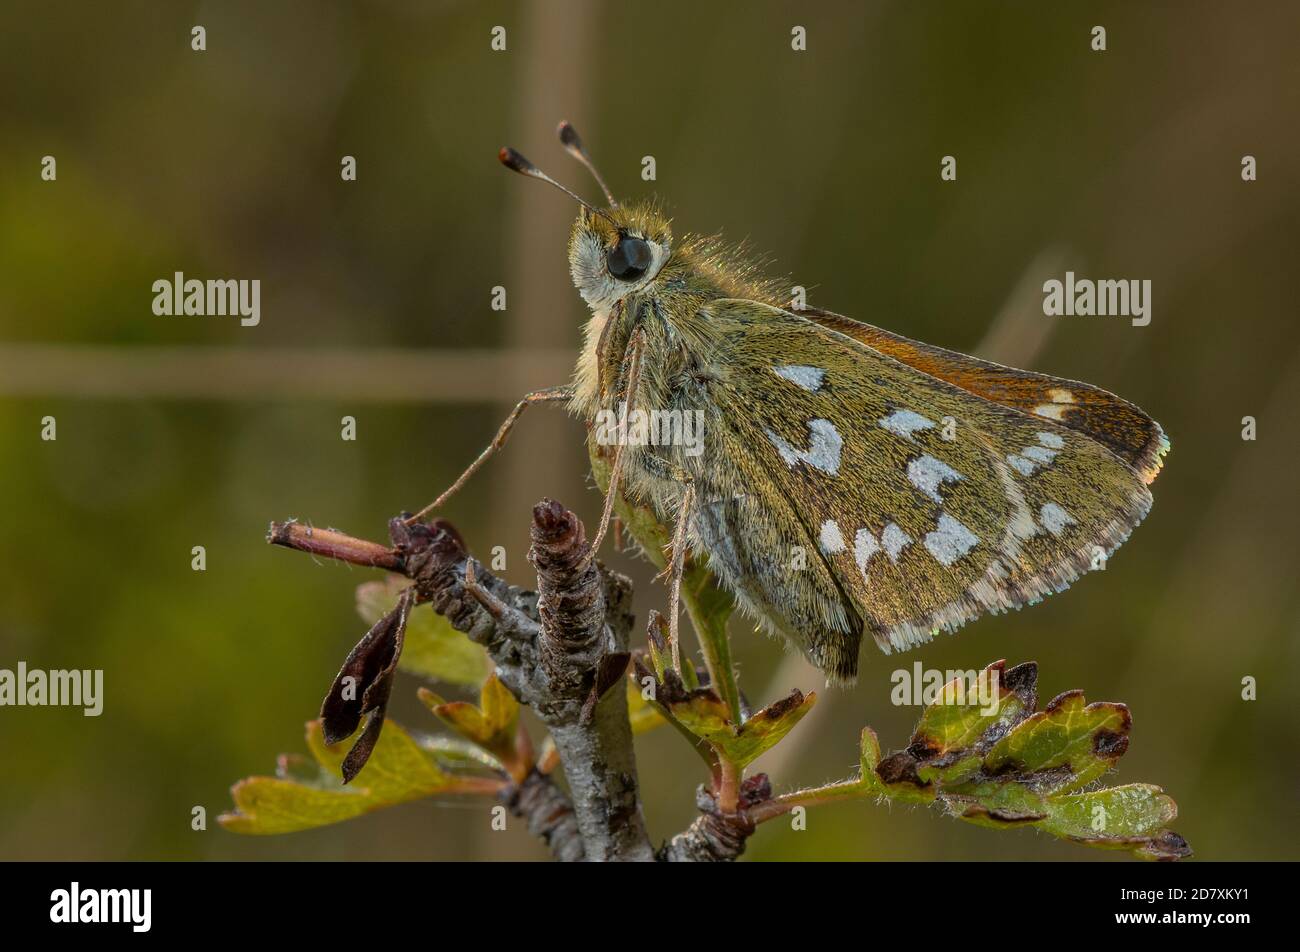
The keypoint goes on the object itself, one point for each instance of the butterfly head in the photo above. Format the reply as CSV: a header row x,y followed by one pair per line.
x,y
610,258
613,251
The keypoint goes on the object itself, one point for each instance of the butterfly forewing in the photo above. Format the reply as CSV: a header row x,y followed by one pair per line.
x,y
920,504
1098,414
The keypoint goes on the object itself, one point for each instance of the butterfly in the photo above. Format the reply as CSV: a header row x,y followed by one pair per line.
x,y
849,482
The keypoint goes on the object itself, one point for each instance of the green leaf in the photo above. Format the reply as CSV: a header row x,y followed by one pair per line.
x,y
701,714
433,648
493,725
868,757
456,754
1131,810
640,673
643,715
1067,745
957,719
399,770
744,744
964,713
994,762
1132,817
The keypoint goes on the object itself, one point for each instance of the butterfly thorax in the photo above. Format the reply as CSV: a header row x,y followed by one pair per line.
x,y
669,307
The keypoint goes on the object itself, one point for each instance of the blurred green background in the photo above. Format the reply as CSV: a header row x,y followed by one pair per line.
x,y
175,432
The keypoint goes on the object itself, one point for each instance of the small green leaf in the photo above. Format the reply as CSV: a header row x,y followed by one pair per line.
x,y
963,716
1132,817
761,732
672,689
997,805
643,715
398,770
690,677
1097,816
1068,744
1000,765
870,754
433,648
493,725
701,714
500,709
962,713
457,754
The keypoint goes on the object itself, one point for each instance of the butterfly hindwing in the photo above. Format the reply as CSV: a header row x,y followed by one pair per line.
x,y
1114,422
921,505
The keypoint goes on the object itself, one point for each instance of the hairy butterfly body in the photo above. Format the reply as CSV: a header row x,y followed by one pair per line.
x,y
850,481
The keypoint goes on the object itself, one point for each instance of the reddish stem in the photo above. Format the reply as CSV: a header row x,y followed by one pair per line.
x,y
729,787
335,545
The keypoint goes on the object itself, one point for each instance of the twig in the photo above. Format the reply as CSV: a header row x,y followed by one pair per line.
x,y
711,838
718,836
335,545
586,620
549,815
560,651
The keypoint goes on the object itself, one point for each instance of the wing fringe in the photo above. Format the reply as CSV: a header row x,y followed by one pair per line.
x,y
999,591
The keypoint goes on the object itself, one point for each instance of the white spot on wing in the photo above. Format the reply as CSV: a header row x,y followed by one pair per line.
x,y
823,451
1021,465
1053,411
810,378
864,547
904,423
788,453
894,540
1059,395
950,541
831,540
1054,518
1031,457
927,473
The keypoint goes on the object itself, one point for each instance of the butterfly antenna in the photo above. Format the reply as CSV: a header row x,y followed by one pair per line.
x,y
517,163
573,145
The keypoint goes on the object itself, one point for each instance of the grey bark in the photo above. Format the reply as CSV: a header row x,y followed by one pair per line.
x,y
560,651
563,651
549,815
714,837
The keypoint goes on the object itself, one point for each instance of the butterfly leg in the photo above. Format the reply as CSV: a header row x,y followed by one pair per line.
x,y
630,373
676,558
677,565
549,395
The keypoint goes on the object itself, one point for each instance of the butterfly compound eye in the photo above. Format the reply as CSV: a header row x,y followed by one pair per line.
x,y
628,259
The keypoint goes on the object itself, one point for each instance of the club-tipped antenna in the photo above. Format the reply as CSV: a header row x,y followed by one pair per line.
x,y
516,162
572,143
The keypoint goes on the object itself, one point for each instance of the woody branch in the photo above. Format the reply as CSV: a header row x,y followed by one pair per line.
x,y
560,650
